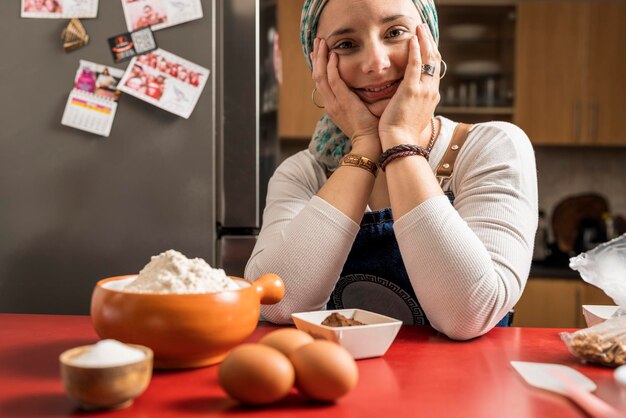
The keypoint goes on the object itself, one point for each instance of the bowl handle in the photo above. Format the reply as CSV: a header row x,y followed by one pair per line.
x,y
270,288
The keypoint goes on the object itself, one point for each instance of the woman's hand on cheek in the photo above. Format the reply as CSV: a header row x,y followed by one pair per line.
x,y
410,109
342,105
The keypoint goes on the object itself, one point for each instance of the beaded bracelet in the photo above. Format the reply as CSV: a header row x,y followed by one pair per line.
x,y
359,161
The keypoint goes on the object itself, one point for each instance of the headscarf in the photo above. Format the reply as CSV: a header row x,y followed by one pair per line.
x,y
329,144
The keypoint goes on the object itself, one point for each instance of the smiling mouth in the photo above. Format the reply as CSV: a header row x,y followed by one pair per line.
x,y
374,94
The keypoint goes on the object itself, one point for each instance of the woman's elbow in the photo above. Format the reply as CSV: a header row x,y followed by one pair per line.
x,y
459,328
276,315
464,334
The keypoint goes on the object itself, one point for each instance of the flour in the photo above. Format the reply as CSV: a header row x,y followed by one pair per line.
x,y
172,272
108,353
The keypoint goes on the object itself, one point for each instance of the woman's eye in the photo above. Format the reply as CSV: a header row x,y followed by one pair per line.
x,y
344,45
394,33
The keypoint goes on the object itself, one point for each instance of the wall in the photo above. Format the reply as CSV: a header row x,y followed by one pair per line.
x,y
563,171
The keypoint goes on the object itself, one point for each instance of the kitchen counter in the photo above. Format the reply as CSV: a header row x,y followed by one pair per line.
x,y
423,373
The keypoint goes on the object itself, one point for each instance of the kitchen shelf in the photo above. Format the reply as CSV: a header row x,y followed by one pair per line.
x,y
478,45
476,110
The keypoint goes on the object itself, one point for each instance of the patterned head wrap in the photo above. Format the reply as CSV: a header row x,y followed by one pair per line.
x,y
328,143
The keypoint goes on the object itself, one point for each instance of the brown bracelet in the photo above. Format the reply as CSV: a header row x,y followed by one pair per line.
x,y
354,160
401,148
397,155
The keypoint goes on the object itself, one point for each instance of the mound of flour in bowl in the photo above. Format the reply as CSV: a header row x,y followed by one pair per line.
x,y
172,272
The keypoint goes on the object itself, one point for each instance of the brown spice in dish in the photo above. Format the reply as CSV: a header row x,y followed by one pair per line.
x,y
338,320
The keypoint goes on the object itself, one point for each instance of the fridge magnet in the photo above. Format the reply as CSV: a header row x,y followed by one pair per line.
x,y
74,36
92,102
165,80
59,9
159,14
129,44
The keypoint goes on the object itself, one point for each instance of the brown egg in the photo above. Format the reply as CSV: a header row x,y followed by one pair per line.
x,y
325,371
256,374
286,340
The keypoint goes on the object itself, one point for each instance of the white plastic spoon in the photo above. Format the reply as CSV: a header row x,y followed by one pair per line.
x,y
567,382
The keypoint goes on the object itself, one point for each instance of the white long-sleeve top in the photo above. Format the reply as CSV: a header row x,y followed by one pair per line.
x,y
468,263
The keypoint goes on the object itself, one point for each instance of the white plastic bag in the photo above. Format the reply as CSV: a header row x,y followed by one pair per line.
x,y
603,267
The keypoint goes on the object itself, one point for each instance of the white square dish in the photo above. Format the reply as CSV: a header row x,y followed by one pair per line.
x,y
594,314
362,341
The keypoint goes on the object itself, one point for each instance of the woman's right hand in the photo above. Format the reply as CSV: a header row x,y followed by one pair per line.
x,y
344,107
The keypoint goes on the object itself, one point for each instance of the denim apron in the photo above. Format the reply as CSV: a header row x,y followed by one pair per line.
x,y
374,277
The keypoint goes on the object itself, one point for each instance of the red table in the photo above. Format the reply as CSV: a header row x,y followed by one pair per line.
x,y
422,374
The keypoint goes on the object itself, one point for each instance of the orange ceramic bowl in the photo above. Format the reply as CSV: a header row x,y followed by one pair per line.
x,y
183,330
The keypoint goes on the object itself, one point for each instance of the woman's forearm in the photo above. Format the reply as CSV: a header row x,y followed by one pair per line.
x,y
411,182
349,188
469,262
307,252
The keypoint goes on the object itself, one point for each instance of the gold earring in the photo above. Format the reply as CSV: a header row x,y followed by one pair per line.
x,y
313,98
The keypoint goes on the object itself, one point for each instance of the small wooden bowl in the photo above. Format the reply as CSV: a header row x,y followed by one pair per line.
x,y
109,387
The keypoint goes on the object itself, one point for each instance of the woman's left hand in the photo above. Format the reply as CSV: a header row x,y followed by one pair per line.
x,y
411,108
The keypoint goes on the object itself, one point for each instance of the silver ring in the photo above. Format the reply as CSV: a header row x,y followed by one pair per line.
x,y
313,98
444,68
428,69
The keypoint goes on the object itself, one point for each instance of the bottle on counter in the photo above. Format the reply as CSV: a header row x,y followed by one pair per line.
x,y
609,225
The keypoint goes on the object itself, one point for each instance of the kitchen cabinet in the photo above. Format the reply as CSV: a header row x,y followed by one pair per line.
x,y
556,303
569,72
477,44
297,116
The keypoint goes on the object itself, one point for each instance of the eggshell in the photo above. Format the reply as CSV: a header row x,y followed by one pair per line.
x,y
325,371
256,374
286,340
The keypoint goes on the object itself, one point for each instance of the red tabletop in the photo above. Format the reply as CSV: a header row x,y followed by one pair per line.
x,y
422,374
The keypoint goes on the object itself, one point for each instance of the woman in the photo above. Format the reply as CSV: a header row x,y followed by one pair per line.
x,y
393,241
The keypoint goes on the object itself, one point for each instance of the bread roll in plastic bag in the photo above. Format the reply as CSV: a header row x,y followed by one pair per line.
x,y
604,267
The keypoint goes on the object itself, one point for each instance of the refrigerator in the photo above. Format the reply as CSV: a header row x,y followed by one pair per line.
x,y
76,207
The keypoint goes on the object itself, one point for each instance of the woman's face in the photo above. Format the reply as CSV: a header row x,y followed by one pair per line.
x,y
371,39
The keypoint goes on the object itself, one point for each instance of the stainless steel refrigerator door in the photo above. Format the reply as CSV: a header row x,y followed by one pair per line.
x,y
75,207
248,147
235,252
238,147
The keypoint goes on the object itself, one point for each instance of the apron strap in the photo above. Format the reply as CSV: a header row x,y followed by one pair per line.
x,y
446,166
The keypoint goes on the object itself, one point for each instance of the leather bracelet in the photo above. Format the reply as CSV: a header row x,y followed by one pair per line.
x,y
396,156
401,148
354,160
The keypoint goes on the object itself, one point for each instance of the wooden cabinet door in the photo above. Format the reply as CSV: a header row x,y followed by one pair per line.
x,y
606,76
549,303
297,115
550,44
